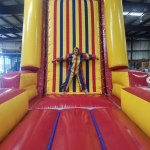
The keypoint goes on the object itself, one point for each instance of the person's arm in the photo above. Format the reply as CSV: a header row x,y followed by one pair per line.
x,y
89,56
62,58
54,60
96,58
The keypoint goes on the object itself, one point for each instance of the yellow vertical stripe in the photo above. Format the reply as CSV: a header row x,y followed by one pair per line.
x,y
70,37
50,47
64,39
97,46
77,36
58,47
90,47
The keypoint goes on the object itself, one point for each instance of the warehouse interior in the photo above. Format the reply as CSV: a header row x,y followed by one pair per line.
x,y
75,74
137,28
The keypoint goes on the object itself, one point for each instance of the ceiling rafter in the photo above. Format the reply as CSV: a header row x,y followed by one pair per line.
x,y
7,29
12,9
14,15
17,2
144,22
145,34
9,23
8,36
136,6
136,28
17,18
7,39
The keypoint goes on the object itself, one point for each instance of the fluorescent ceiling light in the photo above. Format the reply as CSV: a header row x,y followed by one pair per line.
x,y
125,13
135,14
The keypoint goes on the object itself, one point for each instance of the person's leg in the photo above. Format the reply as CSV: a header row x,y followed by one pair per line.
x,y
81,82
67,82
86,91
63,93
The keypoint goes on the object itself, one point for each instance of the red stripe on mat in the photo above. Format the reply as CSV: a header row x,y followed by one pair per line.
x,y
55,45
93,45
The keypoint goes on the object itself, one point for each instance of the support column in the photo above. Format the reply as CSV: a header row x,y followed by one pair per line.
x,y
11,62
131,47
4,64
32,34
115,34
17,63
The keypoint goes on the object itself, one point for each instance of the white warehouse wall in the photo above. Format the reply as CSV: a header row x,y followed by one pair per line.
x,y
10,45
141,49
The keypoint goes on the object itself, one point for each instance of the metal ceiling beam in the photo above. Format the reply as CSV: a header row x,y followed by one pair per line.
x,y
10,31
137,37
17,18
136,28
138,50
8,36
144,35
144,22
8,39
14,15
17,2
12,9
147,40
136,7
126,16
136,18
132,35
128,32
9,23
135,33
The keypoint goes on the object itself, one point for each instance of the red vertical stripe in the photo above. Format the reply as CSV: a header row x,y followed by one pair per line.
x,y
55,44
80,26
75,66
108,78
83,77
93,45
101,53
80,30
67,34
43,40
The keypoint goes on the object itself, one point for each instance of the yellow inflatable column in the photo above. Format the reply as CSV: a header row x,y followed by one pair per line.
x,y
32,32
115,34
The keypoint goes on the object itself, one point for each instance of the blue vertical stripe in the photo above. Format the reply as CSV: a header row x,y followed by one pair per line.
x,y
81,57
81,79
74,39
67,80
61,44
53,131
98,132
86,43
